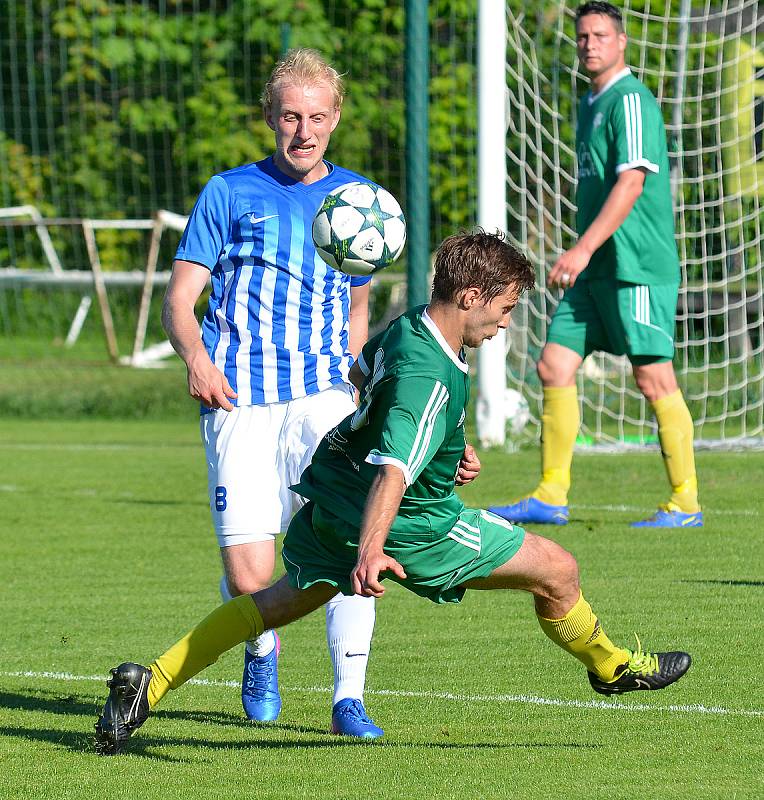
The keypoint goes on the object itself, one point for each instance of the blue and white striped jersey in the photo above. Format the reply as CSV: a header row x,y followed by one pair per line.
x,y
277,320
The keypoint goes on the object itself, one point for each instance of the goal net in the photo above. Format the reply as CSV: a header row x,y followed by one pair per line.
x,y
705,64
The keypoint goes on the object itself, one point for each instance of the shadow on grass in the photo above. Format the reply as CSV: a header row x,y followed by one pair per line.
x,y
720,582
73,705
144,502
144,746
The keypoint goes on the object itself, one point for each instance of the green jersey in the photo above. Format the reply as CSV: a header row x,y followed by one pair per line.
x,y
411,415
621,128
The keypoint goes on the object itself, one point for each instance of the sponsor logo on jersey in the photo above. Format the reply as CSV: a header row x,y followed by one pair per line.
x,y
337,442
585,163
253,220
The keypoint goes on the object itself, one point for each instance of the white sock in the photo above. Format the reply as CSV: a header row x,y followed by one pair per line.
x,y
264,644
349,625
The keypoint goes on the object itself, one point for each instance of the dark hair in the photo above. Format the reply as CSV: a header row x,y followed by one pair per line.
x,y
605,9
482,260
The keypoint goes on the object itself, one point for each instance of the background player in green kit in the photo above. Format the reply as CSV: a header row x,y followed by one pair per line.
x,y
621,278
382,504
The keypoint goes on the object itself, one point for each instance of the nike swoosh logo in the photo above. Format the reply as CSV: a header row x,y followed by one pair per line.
x,y
254,220
354,655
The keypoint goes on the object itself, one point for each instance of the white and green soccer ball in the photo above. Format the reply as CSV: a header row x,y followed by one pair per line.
x,y
359,229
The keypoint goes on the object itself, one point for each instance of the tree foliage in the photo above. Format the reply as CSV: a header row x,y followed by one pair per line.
x,y
115,108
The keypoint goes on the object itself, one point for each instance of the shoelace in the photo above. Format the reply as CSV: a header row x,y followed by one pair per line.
x,y
642,662
259,675
356,709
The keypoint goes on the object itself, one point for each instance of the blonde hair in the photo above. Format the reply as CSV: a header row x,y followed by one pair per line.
x,y
304,67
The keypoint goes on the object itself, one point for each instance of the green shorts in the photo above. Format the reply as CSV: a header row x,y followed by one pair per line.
x,y
320,547
617,317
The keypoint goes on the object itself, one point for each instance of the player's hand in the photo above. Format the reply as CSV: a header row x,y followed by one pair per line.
x,y
568,267
208,385
469,466
365,576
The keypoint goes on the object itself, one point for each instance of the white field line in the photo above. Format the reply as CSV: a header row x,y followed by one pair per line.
x,y
732,512
521,699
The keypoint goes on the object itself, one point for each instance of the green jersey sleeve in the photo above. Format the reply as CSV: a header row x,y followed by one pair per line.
x,y
636,128
414,424
365,358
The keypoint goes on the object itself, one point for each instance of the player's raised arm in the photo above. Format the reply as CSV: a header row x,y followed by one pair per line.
x,y
382,504
205,381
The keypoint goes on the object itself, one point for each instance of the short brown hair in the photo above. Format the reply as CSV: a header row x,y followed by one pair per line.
x,y
305,67
482,260
604,9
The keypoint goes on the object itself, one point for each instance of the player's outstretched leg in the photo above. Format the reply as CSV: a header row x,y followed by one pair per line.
x,y
644,671
611,669
139,689
126,709
550,573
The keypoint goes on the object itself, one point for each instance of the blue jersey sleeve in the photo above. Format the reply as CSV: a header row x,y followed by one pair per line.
x,y
359,280
208,227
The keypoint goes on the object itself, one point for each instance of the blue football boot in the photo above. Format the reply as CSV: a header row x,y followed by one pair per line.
x,y
349,718
530,511
260,685
669,516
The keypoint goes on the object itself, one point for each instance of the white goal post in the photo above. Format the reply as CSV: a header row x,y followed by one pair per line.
x,y
705,64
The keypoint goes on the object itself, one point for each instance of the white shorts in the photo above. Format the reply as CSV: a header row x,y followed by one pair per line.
x,y
255,453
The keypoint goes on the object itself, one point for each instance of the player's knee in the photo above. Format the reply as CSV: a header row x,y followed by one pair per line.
x,y
555,372
646,385
247,584
568,569
545,372
561,572
655,379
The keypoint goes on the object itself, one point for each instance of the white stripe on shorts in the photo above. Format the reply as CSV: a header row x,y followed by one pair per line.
x,y
465,542
642,304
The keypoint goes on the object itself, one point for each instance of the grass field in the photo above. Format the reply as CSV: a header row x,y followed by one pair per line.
x,y
107,554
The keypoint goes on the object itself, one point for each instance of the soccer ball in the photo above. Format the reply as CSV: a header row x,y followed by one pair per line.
x,y
516,411
359,229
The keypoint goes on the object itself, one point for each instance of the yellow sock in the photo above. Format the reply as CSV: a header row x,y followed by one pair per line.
x,y
580,634
560,421
233,622
675,432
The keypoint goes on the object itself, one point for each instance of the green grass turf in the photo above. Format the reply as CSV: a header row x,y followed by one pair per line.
x,y
107,554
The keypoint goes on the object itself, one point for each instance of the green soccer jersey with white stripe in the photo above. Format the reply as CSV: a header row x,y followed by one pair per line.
x,y
621,128
411,415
